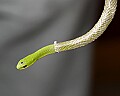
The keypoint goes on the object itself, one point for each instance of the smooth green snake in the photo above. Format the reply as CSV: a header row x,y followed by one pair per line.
x,y
94,33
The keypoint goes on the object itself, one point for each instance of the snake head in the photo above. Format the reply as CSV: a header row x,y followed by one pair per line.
x,y
25,62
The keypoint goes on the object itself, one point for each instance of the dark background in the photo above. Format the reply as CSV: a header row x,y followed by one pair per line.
x,y
106,73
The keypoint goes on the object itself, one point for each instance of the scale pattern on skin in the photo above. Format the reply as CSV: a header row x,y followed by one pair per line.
x,y
94,33
105,19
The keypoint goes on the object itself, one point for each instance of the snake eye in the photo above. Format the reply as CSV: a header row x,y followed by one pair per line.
x,y
21,62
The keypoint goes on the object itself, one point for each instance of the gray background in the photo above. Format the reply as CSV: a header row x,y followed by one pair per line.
x,y
27,25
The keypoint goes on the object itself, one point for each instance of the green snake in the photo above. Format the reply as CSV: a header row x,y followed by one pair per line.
x,y
105,19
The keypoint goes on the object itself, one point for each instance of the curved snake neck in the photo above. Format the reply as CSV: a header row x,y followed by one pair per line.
x,y
105,19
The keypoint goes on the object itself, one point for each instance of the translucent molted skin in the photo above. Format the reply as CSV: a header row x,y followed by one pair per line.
x,y
105,19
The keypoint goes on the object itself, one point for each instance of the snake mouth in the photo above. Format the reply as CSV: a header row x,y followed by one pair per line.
x,y
24,66
21,68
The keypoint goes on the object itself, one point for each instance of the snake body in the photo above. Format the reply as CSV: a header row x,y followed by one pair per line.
x,y
105,19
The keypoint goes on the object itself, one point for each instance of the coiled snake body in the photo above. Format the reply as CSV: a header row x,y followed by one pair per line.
x,y
105,19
